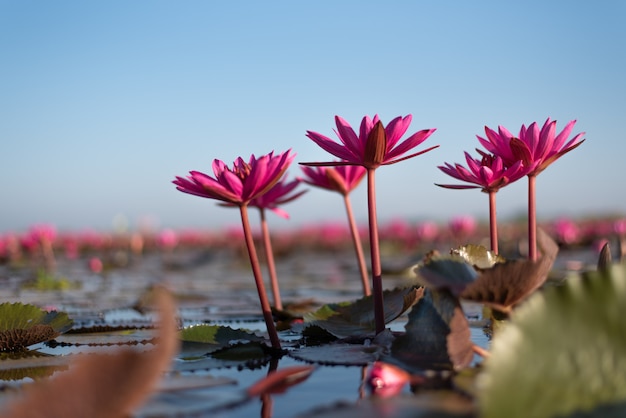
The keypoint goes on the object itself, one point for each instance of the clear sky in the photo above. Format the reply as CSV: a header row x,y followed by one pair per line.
x,y
103,103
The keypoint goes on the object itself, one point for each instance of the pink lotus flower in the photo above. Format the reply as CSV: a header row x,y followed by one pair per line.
x,y
342,179
239,186
242,183
488,173
279,194
375,145
536,148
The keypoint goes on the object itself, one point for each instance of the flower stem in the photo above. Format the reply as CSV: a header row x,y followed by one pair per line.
x,y
358,247
493,223
377,280
532,219
258,278
269,256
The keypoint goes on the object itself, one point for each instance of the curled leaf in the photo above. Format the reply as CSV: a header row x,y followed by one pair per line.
x,y
357,318
22,325
506,284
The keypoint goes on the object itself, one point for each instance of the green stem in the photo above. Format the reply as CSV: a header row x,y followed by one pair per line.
x,y
358,247
493,224
377,280
258,278
532,219
269,256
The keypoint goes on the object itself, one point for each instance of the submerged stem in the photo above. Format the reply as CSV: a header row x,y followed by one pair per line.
x,y
532,219
493,223
258,278
377,280
358,247
269,256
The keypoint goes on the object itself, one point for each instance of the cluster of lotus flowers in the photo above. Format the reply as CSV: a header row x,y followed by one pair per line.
x,y
261,182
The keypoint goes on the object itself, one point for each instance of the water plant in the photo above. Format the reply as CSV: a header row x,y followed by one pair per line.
x,y
22,325
537,148
489,174
374,145
239,186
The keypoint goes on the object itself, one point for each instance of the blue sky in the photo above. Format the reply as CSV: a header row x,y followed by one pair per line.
x,y
103,103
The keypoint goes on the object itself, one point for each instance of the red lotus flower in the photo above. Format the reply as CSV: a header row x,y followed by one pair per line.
x,y
342,179
375,144
242,183
488,173
536,148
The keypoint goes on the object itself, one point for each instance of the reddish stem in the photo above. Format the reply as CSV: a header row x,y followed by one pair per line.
x,y
358,247
493,224
377,280
269,256
258,278
532,219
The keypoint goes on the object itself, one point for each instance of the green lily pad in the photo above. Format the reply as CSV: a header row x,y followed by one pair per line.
x,y
349,319
22,325
199,340
563,353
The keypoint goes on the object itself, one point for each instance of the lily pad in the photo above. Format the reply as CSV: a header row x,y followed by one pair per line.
x,y
216,335
357,318
22,325
564,352
245,355
437,335
339,354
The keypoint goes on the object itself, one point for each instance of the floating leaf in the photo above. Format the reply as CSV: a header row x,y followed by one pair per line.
x,y
22,325
339,354
437,334
216,335
357,318
563,352
249,355
506,284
